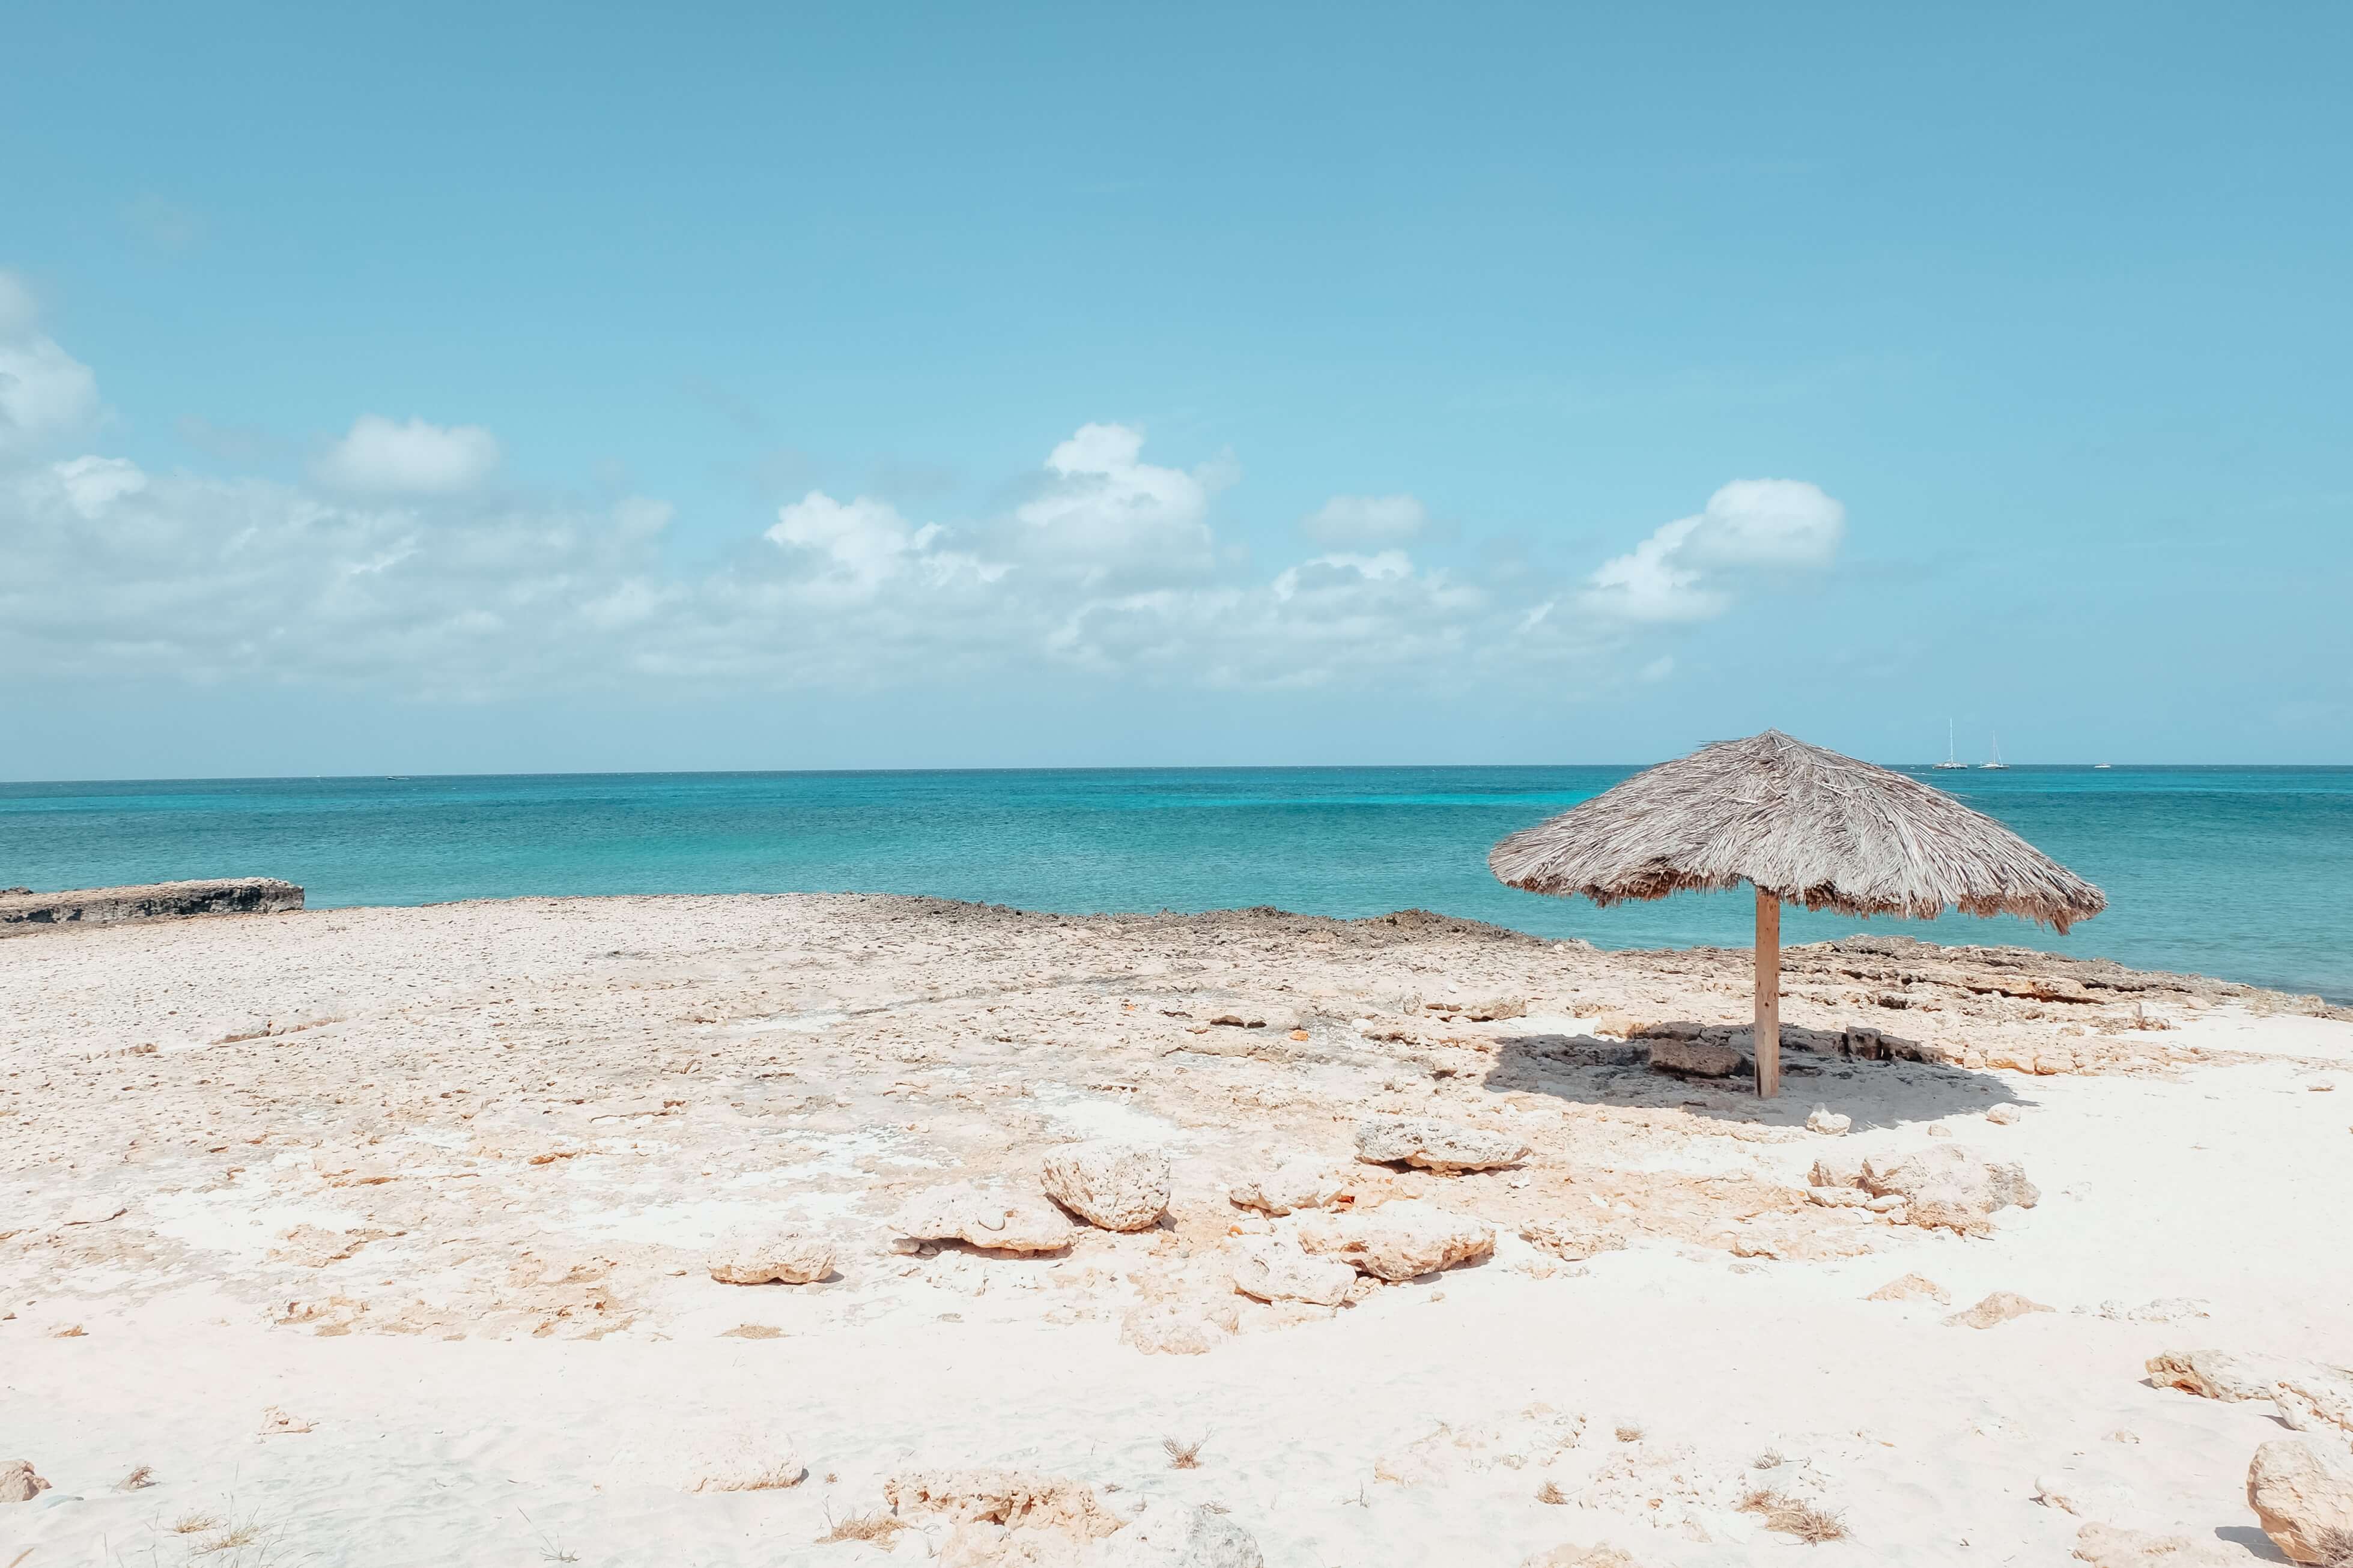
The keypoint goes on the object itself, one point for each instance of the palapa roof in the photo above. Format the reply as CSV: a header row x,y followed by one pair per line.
x,y
1808,825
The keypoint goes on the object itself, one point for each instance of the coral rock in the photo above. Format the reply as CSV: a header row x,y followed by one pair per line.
x,y
1399,1240
19,1483
2107,1546
1911,1287
1001,1221
1435,1145
758,1255
1168,1328
1298,1181
1696,1058
1278,1270
2304,1499
1998,1308
1113,1186
1827,1123
1570,1241
1950,1186
2002,1115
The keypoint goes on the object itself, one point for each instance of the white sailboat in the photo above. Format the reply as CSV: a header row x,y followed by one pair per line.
x,y
1996,763
1950,761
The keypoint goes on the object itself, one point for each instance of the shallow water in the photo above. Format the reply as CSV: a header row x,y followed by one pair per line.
x,y
2244,873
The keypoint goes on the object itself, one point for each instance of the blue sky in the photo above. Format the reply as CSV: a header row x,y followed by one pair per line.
x,y
474,389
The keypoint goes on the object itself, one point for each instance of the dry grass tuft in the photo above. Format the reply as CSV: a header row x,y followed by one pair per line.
x,y
1550,1492
1807,1522
877,1527
781,1476
143,1476
1183,1455
1770,1459
234,1538
195,1523
1630,1432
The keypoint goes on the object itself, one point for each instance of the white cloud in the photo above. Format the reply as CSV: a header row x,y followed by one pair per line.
x,y
381,458
1688,570
1372,520
1103,515
45,393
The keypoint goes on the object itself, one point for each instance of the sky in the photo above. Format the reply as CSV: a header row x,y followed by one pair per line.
x,y
537,388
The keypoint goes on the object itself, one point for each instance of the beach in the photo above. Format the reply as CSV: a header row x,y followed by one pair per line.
x,y
384,1236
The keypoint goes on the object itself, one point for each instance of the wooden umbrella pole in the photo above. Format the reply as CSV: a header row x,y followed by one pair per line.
x,y
1766,1040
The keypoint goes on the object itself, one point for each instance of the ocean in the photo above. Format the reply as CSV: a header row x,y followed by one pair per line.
x,y
2241,873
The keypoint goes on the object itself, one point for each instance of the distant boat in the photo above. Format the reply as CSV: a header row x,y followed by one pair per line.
x,y
1950,761
2097,766
1996,763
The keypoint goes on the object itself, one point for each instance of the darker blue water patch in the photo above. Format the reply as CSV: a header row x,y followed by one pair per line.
x,y
2244,873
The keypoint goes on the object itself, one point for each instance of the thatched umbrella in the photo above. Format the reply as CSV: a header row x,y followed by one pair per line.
x,y
1797,823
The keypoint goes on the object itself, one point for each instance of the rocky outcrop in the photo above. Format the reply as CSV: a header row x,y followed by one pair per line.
x,y
1296,1182
1949,1187
19,1483
2303,1497
759,1255
22,912
1279,1269
1116,1187
1001,1221
1434,1145
2307,1396
1399,1240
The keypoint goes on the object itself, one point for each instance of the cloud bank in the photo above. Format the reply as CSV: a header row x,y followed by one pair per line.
x,y
396,564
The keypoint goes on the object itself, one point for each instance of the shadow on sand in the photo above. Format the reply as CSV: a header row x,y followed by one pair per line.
x,y
1879,1079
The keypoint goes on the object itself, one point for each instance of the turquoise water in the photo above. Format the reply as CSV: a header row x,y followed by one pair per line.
x,y
2244,873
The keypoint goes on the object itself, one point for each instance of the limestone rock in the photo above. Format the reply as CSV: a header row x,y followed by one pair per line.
x,y
1951,1185
1434,1145
984,1217
2000,1307
1399,1240
1116,1187
1696,1058
1298,1181
1827,1123
1172,1535
1570,1240
2304,1499
2002,1115
19,1483
276,1422
1911,1288
1277,1269
756,1255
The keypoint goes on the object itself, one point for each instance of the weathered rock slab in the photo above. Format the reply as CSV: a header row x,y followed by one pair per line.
x,y
1002,1221
22,912
1399,1240
1434,1145
760,1255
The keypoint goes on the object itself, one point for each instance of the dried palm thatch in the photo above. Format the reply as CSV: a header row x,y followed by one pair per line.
x,y
1800,824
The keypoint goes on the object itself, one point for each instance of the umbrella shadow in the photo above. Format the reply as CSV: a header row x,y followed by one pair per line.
x,y
1877,1078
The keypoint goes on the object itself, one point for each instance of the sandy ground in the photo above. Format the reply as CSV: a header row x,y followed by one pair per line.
x,y
438,1185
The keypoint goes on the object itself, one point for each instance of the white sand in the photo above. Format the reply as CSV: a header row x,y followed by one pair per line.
x,y
511,1364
